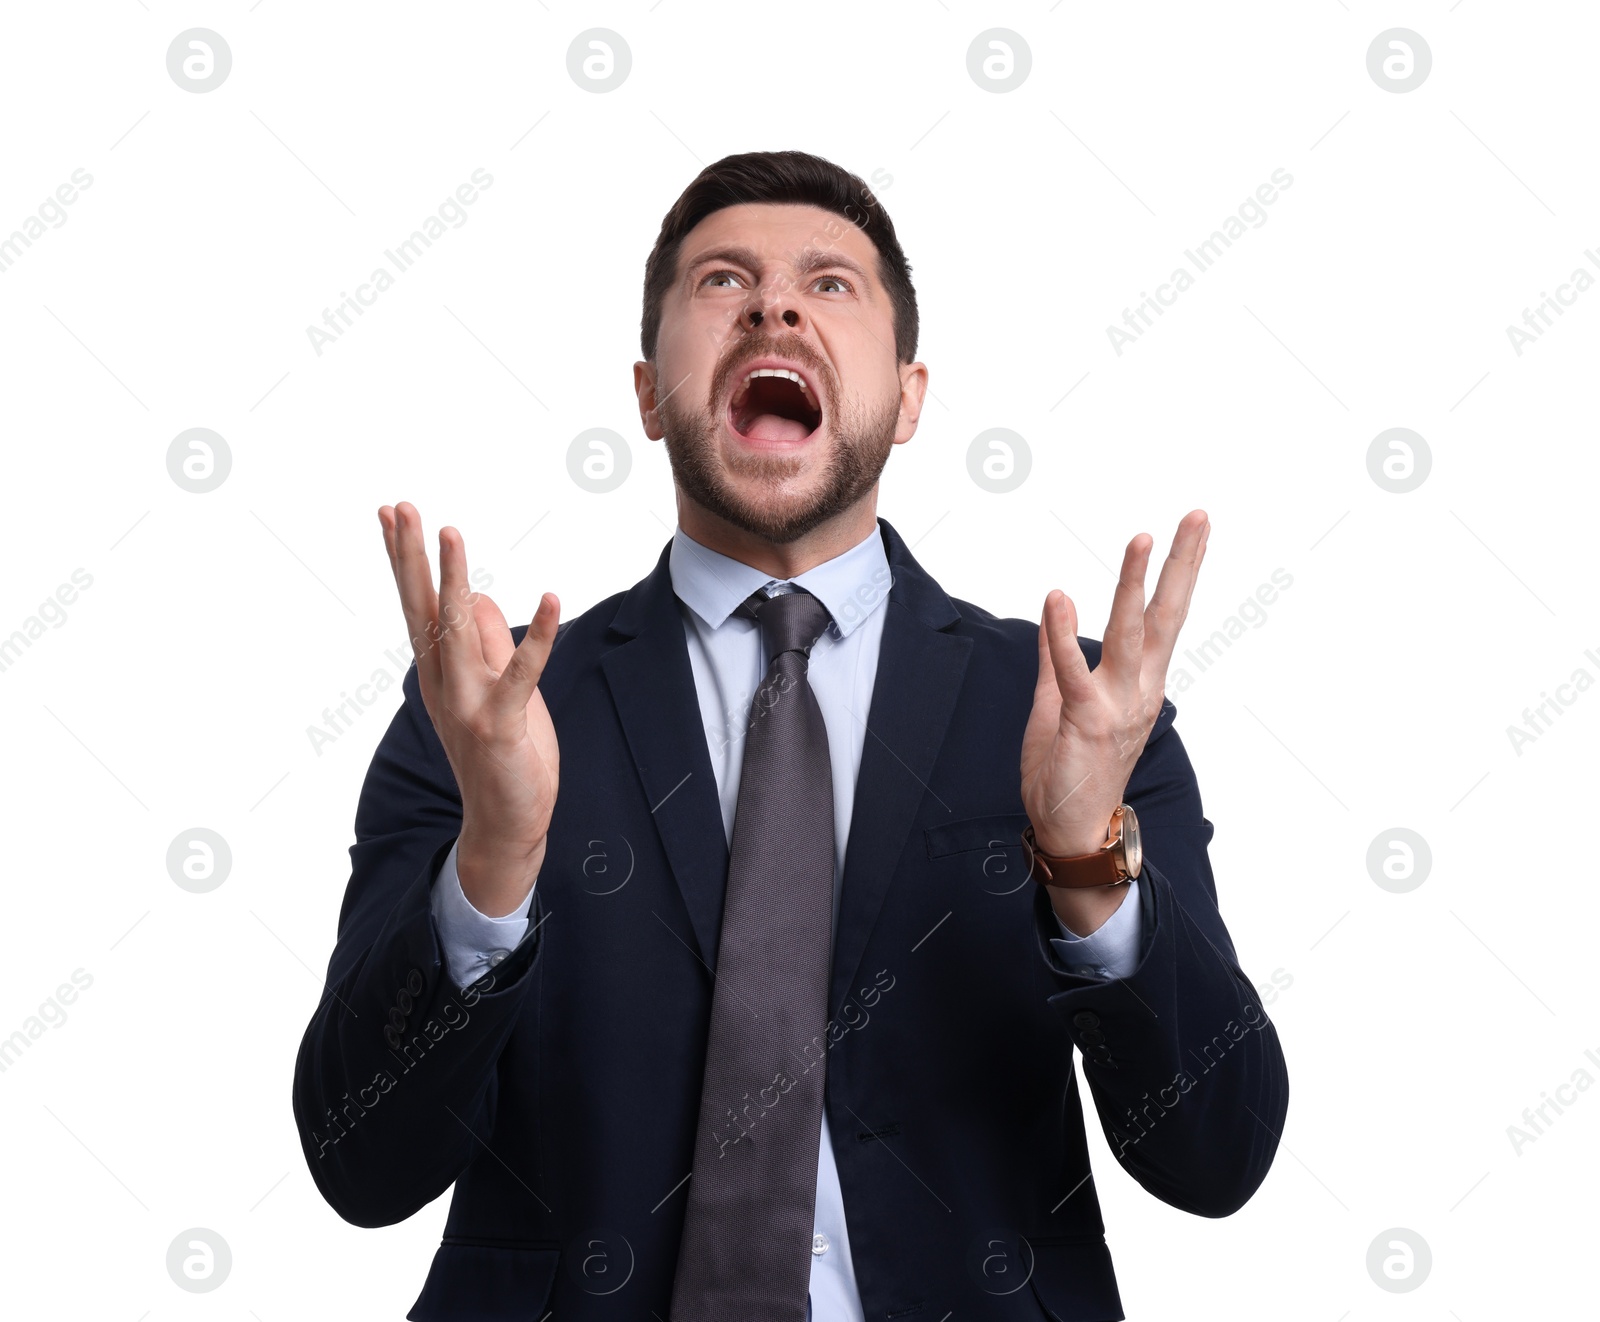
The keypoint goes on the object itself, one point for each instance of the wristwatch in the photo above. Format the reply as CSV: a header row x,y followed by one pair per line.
x,y
1112,864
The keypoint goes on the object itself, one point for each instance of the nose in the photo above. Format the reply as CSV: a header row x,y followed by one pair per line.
x,y
754,314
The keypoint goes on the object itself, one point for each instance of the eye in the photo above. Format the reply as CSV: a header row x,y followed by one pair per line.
x,y
843,284
716,275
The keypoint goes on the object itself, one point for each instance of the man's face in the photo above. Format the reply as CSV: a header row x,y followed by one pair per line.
x,y
794,288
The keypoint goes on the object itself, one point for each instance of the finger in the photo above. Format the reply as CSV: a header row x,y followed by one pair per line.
x,y
1169,604
493,632
1046,682
1122,649
1067,661
388,519
386,522
459,644
513,690
414,578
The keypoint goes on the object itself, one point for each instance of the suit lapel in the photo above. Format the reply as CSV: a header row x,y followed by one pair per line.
x,y
913,696
652,684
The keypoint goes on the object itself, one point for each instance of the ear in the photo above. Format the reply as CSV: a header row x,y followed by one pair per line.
x,y
644,386
913,390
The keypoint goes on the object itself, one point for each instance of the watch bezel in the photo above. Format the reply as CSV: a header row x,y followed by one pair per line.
x,y
1128,838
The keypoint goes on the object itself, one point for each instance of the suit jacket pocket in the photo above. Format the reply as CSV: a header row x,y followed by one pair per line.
x,y
984,852
1073,1280
487,1283
993,831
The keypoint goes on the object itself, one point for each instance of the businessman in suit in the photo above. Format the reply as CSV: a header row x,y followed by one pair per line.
x,y
726,946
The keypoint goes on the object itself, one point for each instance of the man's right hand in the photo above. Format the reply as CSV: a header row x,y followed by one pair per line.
x,y
482,695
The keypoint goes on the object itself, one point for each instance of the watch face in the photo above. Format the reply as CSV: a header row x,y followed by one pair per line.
x,y
1132,852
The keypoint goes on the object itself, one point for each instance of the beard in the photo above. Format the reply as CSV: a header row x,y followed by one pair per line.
x,y
786,504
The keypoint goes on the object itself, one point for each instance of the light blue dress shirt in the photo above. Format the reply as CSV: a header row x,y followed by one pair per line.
x,y
729,662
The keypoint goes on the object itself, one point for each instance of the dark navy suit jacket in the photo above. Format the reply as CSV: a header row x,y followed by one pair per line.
x,y
559,1093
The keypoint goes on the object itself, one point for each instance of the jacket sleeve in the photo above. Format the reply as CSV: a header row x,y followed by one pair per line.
x,y
1185,1068
395,1080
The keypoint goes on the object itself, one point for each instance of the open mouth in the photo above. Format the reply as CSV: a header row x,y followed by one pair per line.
x,y
774,405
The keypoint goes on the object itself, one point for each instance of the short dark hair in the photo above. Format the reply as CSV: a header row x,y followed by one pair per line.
x,y
780,176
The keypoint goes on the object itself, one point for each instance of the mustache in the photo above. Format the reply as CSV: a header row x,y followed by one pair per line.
x,y
779,347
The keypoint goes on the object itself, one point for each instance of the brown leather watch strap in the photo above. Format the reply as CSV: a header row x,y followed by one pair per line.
x,y
1100,868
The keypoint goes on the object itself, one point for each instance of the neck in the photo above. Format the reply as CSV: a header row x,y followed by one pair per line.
x,y
787,559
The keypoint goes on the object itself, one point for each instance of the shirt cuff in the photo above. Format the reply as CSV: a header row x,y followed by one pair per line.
x,y
1111,950
473,941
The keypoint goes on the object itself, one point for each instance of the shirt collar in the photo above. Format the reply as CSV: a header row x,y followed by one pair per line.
x,y
851,585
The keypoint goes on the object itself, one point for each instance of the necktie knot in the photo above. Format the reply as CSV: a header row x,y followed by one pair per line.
x,y
790,622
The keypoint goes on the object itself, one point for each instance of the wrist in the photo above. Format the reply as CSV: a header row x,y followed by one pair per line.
x,y
1115,857
495,879
1084,912
1071,842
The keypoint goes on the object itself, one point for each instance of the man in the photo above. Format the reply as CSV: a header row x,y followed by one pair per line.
x,y
726,946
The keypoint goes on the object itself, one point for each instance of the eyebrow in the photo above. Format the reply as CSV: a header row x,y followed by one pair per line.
x,y
807,261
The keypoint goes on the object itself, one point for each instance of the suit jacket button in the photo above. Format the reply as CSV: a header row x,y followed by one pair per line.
x,y
1086,1019
1093,1037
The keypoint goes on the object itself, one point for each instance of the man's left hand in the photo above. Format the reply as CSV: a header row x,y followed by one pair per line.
x,y
1088,727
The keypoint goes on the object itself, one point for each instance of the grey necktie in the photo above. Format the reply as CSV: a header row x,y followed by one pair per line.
x,y
745,1255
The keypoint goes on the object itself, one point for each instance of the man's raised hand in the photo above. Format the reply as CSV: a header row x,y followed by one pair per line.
x,y
481,692
1088,727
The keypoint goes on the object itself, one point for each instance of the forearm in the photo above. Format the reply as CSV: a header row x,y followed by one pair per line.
x,y
396,1067
1186,1071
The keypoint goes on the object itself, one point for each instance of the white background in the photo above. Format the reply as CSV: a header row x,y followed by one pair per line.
x,y
1377,693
